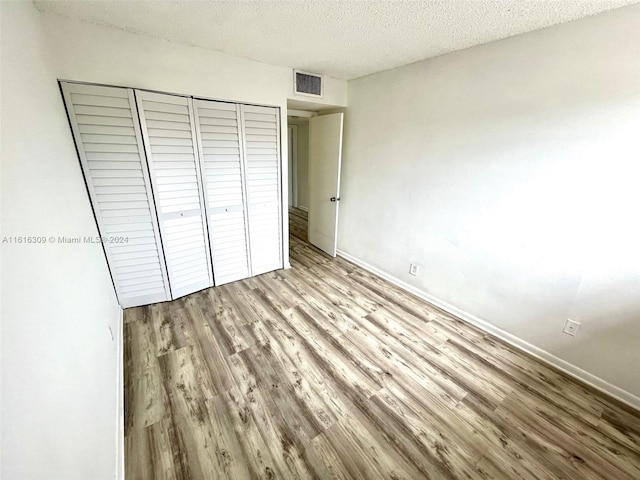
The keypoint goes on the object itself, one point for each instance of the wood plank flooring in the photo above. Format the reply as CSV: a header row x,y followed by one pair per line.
x,y
298,221
326,371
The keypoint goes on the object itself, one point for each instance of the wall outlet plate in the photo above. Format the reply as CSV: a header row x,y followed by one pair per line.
x,y
571,327
414,268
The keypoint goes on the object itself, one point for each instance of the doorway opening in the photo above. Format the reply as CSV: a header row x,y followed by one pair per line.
x,y
298,163
314,161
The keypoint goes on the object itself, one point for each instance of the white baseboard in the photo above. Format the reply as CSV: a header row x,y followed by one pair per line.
x,y
304,209
568,368
120,398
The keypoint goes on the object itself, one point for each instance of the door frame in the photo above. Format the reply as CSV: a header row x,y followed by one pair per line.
x,y
292,144
335,195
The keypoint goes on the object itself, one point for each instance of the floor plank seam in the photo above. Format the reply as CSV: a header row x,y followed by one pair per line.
x,y
327,371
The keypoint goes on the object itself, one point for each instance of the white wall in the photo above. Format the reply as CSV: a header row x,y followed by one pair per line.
x,y
302,160
510,172
93,53
59,361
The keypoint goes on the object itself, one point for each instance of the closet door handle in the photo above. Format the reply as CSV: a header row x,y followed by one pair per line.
x,y
334,199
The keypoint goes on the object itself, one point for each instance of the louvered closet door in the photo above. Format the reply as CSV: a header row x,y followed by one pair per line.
x,y
218,129
107,134
262,169
169,135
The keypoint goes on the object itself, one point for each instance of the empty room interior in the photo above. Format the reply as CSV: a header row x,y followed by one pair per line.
x,y
320,239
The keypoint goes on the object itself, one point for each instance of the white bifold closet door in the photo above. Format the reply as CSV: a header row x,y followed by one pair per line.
x,y
261,133
219,133
170,141
107,134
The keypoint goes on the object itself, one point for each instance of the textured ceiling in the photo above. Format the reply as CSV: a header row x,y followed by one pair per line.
x,y
344,39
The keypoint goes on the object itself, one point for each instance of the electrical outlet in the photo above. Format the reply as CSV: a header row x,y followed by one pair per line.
x,y
571,327
413,269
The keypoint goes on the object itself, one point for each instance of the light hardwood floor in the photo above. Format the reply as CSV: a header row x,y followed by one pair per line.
x,y
298,221
327,371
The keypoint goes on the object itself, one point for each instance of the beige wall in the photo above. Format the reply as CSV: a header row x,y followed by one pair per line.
x,y
303,159
510,173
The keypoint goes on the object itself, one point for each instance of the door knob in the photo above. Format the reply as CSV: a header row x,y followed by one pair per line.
x,y
334,199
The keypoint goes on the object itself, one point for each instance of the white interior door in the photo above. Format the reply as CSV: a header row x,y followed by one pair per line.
x,y
325,157
107,133
261,130
168,129
220,145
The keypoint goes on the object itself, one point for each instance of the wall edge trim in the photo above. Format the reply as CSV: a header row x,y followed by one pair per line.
x,y
574,371
120,398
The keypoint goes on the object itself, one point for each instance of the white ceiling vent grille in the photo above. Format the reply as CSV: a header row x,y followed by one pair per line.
x,y
307,84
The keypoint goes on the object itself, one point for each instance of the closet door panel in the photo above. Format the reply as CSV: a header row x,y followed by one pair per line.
x,y
219,135
169,135
264,203
107,135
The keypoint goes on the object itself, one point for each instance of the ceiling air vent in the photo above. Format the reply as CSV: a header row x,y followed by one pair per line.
x,y
307,83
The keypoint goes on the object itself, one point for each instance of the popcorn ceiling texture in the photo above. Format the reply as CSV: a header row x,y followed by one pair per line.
x,y
343,39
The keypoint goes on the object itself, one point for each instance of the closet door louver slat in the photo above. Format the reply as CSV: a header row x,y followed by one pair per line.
x,y
262,173
169,136
107,135
219,135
